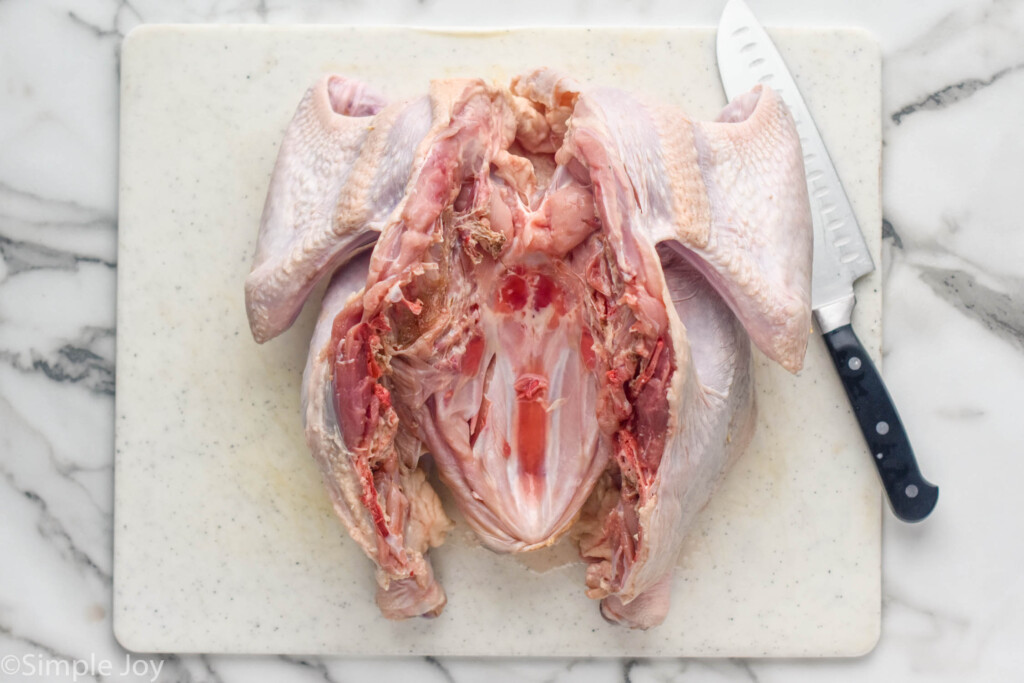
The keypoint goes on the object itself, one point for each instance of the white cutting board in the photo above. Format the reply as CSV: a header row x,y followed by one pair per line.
x,y
224,538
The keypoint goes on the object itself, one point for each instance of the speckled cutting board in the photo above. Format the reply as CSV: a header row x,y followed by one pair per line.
x,y
224,538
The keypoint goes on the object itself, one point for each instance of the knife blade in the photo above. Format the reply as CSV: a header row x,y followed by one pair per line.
x,y
747,57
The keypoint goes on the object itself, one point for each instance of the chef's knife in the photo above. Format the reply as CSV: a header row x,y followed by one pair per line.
x,y
747,57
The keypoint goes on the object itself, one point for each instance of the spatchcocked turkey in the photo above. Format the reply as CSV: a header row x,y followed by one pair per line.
x,y
558,307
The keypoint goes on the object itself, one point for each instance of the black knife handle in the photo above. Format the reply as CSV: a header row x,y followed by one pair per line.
x,y
911,497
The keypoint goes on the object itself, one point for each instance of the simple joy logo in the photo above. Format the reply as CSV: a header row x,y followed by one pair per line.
x,y
57,669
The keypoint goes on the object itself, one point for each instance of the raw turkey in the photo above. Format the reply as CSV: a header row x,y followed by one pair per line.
x,y
558,306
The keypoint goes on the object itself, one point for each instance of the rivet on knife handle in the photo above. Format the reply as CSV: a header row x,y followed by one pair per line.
x,y
911,497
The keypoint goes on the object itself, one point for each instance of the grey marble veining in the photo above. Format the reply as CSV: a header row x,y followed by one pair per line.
x,y
952,173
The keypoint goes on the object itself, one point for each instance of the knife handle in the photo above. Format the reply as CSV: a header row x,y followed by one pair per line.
x,y
911,497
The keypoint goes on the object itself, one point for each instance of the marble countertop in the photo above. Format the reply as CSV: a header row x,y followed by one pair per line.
x,y
953,91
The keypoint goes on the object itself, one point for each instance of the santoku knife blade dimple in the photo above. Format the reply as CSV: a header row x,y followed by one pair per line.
x,y
746,58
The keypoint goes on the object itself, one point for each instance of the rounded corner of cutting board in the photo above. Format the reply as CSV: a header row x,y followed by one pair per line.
x,y
868,642
128,634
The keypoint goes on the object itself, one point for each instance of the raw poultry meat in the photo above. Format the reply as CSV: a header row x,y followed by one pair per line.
x,y
558,307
